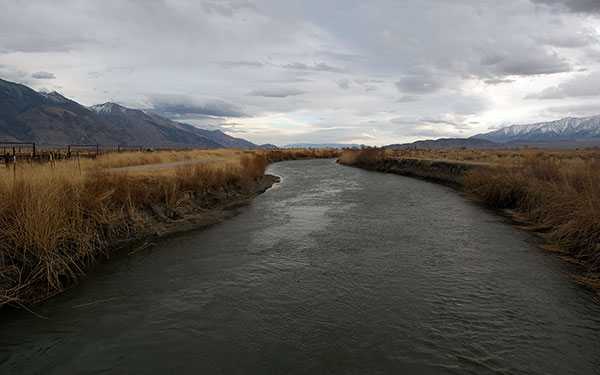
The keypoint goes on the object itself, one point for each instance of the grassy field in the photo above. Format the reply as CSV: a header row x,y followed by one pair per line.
x,y
57,218
555,193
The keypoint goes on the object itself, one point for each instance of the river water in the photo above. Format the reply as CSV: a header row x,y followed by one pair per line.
x,y
334,270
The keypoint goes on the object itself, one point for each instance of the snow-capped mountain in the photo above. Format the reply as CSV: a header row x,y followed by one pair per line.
x,y
566,129
106,108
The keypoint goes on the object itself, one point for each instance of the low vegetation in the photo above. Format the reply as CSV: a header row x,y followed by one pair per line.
x,y
57,218
555,193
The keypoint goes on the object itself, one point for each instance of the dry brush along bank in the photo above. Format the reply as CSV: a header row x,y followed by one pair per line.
x,y
56,219
558,197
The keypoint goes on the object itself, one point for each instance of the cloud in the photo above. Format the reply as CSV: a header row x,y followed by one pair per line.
x,y
175,105
527,63
104,72
318,67
436,121
408,99
416,84
43,75
276,92
343,83
445,125
497,81
584,37
227,8
579,86
12,73
577,6
36,41
575,110
423,79
245,64
423,130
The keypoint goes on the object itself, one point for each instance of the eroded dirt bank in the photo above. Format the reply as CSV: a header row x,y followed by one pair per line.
x,y
446,172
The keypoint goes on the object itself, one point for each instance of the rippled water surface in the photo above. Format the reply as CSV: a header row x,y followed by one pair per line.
x,y
334,270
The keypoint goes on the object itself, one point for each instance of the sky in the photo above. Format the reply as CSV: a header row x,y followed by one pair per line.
x,y
275,71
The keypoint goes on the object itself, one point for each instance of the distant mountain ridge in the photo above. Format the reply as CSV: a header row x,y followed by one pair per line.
x,y
472,143
151,129
50,119
566,133
566,129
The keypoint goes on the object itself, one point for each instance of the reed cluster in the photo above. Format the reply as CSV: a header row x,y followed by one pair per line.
x,y
559,199
497,156
300,153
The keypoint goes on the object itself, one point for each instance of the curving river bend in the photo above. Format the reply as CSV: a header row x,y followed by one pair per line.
x,y
334,270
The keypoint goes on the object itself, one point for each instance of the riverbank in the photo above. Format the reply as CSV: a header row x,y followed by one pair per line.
x,y
558,198
56,219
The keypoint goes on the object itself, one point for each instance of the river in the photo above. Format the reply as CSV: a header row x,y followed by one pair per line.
x,y
334,270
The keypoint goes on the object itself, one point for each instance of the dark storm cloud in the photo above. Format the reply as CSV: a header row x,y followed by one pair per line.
x,y
276,92
43,75
182,105
577,6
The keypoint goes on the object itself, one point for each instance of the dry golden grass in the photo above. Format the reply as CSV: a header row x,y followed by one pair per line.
x,y
560,198
127,159
57,218
504,156
557,192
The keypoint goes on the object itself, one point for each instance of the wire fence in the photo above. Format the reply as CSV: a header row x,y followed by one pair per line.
x,y
24,153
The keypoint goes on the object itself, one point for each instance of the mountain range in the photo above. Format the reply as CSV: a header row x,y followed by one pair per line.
x,y
51,120
567,133
566,129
